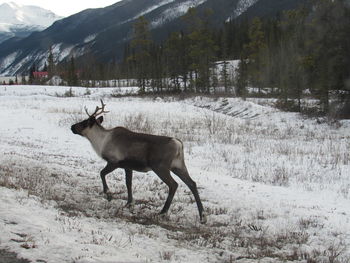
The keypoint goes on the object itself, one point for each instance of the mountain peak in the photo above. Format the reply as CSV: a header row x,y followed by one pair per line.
x,y
12,5
16,14
20,20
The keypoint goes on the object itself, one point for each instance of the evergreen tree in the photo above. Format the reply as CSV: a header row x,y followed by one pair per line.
x,y
328,45
141,44
202,49
241,79
224,70
288,59
177,59
255,51
23,79
72,78
51,65
157,69
173,53
31,74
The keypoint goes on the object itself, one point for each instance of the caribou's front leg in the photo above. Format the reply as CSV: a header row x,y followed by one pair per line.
x,y
110,167
128,179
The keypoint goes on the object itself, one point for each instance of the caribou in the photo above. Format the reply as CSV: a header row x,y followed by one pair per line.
x,y
134,151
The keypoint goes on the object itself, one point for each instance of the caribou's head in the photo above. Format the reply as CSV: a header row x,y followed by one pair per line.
x,y
84,126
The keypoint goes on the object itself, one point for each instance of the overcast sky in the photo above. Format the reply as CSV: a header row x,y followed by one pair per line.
x,y
65,7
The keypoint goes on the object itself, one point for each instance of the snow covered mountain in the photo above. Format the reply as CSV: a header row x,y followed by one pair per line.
x,y
103,32
242,6
21,20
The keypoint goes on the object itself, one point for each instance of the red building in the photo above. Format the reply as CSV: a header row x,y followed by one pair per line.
x,y
40,74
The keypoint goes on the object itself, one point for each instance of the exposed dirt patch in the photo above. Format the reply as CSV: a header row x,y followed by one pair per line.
x,y
7,256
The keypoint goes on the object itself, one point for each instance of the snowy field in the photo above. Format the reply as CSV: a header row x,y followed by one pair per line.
x,y
275,186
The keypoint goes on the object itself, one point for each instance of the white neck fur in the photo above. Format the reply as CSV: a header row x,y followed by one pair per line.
x,y
97,136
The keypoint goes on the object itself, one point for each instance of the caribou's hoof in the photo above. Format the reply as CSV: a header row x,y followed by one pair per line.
x,y
203,219
130,206
163,216
109,196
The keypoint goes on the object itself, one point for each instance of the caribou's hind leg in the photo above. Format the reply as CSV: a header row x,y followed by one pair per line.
x,y
110,167
182,173
164,174
128,179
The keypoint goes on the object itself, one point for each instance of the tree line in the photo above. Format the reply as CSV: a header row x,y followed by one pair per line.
x,y
304,52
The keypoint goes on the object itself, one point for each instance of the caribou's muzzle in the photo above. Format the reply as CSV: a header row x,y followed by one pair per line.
x,y
74,129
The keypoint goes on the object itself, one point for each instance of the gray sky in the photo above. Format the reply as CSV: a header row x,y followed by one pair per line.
x,y
65,7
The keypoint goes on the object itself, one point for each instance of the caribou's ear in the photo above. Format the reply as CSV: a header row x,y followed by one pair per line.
x,y
99,120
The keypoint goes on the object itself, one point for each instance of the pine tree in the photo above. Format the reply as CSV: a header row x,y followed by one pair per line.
x,y
51,65
23,79
255,50
141,44
177,60
287,59
72,74
241,79
202,49
224,70
157,69
328,45
31,74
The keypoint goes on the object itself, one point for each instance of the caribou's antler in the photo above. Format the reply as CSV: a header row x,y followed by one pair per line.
x,y
98,110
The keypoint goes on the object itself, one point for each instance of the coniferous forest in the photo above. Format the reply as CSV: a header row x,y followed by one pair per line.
x,y
297,54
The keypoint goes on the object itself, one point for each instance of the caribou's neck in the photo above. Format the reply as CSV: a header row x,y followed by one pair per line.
x,y
97,136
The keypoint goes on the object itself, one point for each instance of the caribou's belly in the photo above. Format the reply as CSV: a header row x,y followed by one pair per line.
x,y
133,164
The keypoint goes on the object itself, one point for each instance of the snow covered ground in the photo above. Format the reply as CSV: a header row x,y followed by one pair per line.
x,y
275,186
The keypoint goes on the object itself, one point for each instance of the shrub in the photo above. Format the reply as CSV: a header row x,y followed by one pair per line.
x,y
287,105
342,110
